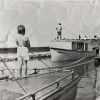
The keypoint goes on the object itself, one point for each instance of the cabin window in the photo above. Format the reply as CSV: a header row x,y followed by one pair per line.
x,y
80,46
86,47
97,52
74,46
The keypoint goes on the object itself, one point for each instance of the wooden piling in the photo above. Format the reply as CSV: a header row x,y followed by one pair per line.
x,y
97,77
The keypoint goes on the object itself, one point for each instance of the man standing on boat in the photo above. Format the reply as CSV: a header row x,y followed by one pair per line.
x,y
59,30
23,44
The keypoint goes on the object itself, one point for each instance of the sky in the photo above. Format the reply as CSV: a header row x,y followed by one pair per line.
x,y
40,17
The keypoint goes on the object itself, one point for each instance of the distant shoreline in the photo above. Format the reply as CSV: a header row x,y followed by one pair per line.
x,y
14,50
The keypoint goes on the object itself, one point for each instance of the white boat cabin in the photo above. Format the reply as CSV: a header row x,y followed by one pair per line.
x,y
72,44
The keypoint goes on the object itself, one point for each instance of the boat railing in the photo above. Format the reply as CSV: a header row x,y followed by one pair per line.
x,y
51,88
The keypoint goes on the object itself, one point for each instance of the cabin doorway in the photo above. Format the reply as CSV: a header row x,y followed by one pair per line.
x,y
97,52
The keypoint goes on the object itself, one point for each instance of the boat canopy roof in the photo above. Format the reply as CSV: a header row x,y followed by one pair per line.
x,y
73,40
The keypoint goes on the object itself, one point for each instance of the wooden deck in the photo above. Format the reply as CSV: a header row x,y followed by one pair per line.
x,y
85,91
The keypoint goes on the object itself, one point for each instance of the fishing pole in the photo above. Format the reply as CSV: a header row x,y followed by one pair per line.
x,y
41,61
13,76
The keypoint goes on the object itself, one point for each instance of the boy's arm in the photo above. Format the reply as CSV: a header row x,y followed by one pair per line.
x,y
29,46
17,43
28,43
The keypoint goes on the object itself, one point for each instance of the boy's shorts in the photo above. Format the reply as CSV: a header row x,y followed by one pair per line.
x,y
22,54
23,57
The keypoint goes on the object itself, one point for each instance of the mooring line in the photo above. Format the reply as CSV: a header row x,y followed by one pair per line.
x,y
80,59
13,76
65,67
79,64
56,67
72,62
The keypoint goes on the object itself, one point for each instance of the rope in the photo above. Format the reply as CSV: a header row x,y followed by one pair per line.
x,y
73,62
79,60
13,75
74,65
80,64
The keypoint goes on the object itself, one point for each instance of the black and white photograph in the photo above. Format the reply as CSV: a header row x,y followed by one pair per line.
x,y
49,49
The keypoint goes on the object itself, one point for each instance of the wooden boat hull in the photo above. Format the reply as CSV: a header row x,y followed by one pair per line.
x,y
64,88
69,55
66,92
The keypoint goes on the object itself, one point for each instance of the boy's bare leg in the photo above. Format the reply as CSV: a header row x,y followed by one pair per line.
x,y
26,67
20,63
20,66
20,70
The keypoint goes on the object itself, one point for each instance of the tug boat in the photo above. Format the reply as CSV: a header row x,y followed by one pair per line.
x,y
70,49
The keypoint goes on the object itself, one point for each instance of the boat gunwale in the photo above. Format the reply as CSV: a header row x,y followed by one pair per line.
x,y
76,80
73,40
46,86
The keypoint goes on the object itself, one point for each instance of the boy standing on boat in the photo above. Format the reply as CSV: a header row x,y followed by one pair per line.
x,y
23,48
59,30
